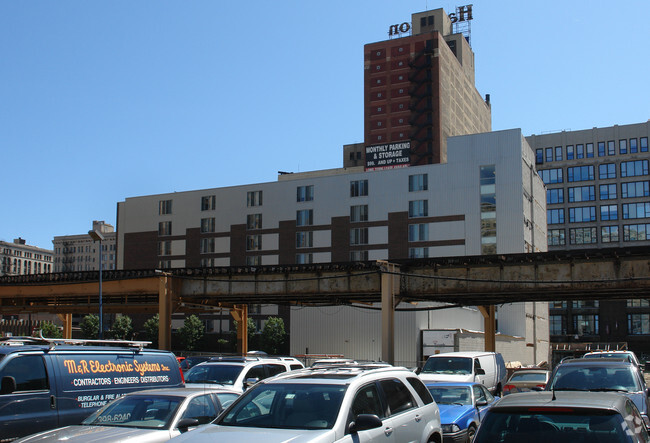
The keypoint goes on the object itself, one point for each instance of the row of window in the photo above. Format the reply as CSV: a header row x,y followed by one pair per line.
x,y
634,168
608,234
637,324
606,192
24,267
585,214
578,151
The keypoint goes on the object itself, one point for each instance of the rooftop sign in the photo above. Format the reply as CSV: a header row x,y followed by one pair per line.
x,y
462,14
388,156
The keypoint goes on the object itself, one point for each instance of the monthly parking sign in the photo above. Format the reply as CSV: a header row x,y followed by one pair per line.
x,y
388,156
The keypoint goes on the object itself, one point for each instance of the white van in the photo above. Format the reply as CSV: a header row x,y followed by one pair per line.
x,y
487,368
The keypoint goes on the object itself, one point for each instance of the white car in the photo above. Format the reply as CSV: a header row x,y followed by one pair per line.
x,y
238,373
151,416
356,403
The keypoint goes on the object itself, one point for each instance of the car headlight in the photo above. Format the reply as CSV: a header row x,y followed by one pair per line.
x,y
450,429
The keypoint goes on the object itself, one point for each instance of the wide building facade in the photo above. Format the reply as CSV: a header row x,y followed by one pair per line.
x,y
81,253
487,199
597,196
19,258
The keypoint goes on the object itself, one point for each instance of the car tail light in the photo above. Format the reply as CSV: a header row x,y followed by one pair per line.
x,y
508,387
182,375
543,385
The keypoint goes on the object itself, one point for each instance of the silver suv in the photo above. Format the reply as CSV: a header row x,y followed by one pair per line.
x,y
350,403
238,373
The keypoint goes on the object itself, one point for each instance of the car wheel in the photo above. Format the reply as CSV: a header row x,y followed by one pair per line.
x,y
471,432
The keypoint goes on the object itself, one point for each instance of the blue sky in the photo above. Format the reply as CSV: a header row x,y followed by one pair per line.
x,y
104,100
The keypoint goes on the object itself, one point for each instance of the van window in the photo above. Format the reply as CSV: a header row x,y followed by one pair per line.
x,y
448,365
28,371
477,364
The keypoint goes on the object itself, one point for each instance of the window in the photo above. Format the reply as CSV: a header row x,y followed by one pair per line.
x,y
358,188
208,203
305,217
304,259
583,214
585,324
418,208
582,236
601,149
359,236
580,173
609,212
253,260
207,262
551,175
622,146
607,192
570,154
609,234
636,210
634,168
634,148
554,196
487,180
254,221
253,242
638,324
28,371
539,155
557,324
207,245
635,189
304,239
164,207
549,154
418,252
207,224
165,247
607,170
367,401
305,193
358,255
643,143
254,198
358,213
419,232
582,194
637,303
636,232
555,237
558,153
165,228
200,408
590,150
555,216
398,396
580,151
418,182
611,148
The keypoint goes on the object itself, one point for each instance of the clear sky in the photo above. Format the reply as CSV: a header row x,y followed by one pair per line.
x,y
104,100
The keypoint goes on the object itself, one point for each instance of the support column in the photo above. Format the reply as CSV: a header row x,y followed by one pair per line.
x,y
240,314
490,327
67,324
389,287
165,312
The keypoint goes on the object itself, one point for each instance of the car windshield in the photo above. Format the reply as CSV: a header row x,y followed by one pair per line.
x,y
219,374
527,427
528,376
596,378
448,365
287,406
137,411
451,395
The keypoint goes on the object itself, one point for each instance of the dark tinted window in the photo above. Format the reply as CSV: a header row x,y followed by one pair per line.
x,y
422,390
275,369
256,372
201,408
367,401
28,371
397,395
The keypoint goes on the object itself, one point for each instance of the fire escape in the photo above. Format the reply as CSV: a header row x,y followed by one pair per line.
x,y
421,106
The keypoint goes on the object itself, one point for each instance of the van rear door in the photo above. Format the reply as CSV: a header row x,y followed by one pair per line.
x,y
31,407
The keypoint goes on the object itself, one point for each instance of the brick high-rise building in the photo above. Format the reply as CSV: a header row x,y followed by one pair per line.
x,y
419,89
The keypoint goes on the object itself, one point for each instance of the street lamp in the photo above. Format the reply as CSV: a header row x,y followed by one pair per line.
x,y
97,236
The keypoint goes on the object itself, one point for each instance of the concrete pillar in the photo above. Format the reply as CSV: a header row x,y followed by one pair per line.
x,y
389,287
165,312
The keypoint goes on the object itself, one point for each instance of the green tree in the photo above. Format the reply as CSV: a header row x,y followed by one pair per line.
x,y
122,328
191,333
151,330
90,326
251,329
273,335
50,330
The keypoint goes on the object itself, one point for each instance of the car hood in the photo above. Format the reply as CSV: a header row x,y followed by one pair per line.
x,y
100,434
212,433
453,413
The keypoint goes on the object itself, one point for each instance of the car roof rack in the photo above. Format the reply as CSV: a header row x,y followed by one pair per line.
x,y
53,342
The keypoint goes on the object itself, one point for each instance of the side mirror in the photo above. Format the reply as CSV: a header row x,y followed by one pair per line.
x,y
479,371
481,403
250,382
418,370
364,422
185,423
8,385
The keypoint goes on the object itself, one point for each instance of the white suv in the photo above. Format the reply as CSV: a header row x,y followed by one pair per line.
x,y
238,373
351,403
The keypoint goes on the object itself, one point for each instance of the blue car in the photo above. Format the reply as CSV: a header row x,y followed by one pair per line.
x,y
462,407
